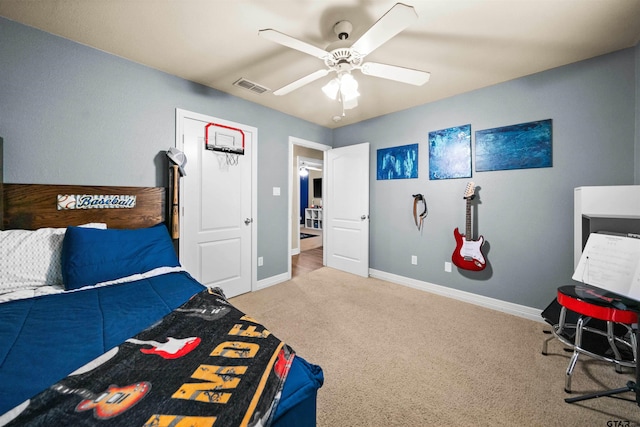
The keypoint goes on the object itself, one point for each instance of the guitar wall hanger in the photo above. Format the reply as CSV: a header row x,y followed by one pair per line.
x,y
419,218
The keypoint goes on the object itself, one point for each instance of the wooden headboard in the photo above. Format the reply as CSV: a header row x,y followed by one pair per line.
x,y
32,206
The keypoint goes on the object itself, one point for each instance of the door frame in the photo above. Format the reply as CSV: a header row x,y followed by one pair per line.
x,y
182,114
316,146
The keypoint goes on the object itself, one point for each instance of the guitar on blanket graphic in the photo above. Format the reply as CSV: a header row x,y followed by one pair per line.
x,y
468,252
172,349
110,403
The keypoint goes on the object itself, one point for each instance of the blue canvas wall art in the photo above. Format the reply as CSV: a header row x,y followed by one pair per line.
x,y
521,146
450,153
398,162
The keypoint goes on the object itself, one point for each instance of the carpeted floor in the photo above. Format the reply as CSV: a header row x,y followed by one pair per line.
x,y
397,356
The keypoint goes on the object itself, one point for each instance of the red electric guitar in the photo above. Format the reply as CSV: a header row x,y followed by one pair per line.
x,y
468,253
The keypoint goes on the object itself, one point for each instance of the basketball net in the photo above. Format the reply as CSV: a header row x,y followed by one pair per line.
x,y
225,155
226,159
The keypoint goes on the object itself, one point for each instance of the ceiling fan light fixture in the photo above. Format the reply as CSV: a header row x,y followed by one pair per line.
x,y
345,84
331,89
349,104
348,87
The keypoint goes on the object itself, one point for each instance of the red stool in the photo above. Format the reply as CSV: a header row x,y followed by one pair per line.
x,y
589,303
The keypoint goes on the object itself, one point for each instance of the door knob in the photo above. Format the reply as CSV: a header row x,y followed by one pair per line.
x,y
363,217
248,221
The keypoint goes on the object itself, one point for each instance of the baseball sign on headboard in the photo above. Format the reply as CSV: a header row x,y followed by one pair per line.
x,y
94,201
32,206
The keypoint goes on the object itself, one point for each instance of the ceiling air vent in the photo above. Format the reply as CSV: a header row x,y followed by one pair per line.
x,y
249,85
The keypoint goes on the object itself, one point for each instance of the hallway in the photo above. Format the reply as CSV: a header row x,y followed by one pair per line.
x,y
310,256
306,261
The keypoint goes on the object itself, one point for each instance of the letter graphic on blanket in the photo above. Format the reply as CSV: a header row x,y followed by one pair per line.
x,y
218,377
249,331
179,421
236,350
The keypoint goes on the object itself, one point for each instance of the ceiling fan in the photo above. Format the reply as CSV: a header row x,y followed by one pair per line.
x,y
343,60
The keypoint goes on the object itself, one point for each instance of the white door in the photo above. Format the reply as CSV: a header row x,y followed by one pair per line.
x,y
347,209
216,221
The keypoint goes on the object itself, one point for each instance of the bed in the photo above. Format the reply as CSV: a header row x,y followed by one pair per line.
x,y
99,323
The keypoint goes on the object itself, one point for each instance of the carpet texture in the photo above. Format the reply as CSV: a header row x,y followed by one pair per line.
x,y
397,356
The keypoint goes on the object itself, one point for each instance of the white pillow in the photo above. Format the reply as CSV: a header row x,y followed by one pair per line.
x,y
32,258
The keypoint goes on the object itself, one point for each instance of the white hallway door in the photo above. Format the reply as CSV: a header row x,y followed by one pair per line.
x,y
348,209
216,222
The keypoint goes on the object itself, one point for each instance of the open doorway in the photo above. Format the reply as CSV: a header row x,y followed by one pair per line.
x,y
306,184
310,172
310,212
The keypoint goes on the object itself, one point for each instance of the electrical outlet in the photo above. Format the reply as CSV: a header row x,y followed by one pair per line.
x,y
260,261
447,267
414,260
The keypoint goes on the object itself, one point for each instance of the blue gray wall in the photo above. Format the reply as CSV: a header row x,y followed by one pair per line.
x,y
70,114
525,215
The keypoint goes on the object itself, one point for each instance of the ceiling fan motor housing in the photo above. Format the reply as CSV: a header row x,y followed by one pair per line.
x,y
343,58
343,29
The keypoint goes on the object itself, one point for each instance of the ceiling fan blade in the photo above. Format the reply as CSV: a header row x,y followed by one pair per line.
x,y
301,82
392,72
391,23
293,43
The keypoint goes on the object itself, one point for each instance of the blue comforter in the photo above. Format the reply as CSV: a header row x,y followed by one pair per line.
x,y
44,339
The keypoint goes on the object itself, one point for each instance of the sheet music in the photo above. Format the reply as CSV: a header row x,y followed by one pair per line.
x,y
611,263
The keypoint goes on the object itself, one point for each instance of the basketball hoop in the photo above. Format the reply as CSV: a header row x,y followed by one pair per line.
x,y
226,142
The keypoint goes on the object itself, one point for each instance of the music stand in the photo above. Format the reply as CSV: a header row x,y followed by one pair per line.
x,y
619,284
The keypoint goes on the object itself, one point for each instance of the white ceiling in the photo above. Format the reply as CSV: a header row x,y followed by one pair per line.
x,y
465,44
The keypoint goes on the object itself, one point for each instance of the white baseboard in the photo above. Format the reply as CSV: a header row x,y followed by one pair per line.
x,y
492,303
273,280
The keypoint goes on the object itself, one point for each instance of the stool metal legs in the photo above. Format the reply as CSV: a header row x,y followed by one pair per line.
x,y
577,344
556,330
614,347
576,353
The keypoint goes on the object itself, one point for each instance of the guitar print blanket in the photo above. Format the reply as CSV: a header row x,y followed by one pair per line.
x,y
206,364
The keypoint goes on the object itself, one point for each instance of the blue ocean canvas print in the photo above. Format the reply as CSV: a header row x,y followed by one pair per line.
x,y
521,146
398,162
450,153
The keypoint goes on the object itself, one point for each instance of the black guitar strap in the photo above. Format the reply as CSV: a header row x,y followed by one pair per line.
x,y
419,218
